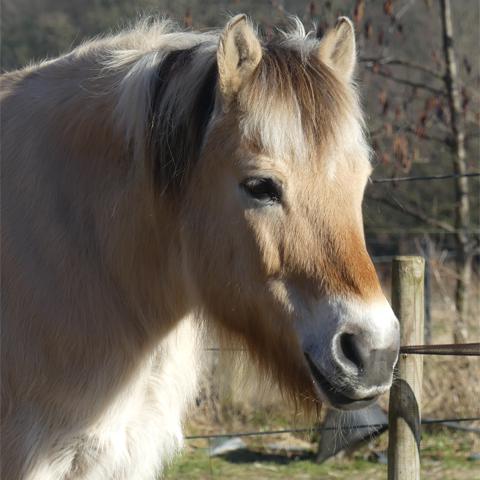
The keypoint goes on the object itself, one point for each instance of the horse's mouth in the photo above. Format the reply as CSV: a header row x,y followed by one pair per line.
x,y
335,397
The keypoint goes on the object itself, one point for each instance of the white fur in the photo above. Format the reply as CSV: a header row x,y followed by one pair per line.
x,y
141,430
279,129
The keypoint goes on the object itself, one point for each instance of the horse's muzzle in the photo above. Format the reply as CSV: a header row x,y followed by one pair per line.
x,y
334,395
357,375
350,348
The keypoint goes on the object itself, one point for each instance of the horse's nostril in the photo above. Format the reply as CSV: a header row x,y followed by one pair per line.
x,y
372,366
351,350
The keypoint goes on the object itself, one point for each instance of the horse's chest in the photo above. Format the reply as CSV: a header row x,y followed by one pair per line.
x,y
132,439
141,430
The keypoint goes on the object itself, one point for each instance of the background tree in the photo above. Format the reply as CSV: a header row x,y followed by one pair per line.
x,y
462,201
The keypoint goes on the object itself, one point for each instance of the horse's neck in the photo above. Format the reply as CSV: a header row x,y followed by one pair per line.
x,y
92,178
140,229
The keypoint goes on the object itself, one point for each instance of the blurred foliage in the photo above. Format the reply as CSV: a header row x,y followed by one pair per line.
x,y
409,124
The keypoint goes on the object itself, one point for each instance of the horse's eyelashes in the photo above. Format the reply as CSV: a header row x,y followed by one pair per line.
x,y
265,190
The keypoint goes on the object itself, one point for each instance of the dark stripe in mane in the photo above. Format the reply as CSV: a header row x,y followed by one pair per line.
x,y
179,116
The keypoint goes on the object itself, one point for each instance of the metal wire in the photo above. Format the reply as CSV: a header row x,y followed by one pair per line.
x,y
422,178
323,429
464,349
467,349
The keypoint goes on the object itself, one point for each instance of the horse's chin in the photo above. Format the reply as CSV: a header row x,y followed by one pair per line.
x,y
331,395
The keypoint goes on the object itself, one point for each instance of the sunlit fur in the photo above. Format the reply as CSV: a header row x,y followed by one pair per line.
x,y
124,230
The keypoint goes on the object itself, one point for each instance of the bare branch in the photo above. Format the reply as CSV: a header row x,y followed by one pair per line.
x,y
380,132
412,211
372,61
462,201
410,83
431,138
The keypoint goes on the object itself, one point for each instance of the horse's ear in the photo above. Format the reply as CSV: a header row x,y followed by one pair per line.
x,y
337,48
239,52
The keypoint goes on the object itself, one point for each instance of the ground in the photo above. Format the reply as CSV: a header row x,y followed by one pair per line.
x,y
446,455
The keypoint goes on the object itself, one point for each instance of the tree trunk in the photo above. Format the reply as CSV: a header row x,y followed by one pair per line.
x,y
462,204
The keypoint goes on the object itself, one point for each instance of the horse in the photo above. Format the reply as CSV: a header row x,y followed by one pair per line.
x,y
158,185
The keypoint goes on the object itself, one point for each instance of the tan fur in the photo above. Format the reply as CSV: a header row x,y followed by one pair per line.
x,y
238,55
337,48
108,275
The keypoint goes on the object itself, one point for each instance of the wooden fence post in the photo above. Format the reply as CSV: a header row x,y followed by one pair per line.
x,y
405,396
428,289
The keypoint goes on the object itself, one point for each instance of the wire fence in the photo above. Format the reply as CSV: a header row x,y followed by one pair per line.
x,y
425,177
469,349
456,349
378,259
315,429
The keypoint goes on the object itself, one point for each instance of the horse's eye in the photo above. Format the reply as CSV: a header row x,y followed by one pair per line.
x,y
265,190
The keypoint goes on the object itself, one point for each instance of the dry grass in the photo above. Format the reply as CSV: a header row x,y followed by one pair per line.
x,y
451,385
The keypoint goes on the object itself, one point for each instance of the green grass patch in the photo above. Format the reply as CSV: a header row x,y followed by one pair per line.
x,y
444,457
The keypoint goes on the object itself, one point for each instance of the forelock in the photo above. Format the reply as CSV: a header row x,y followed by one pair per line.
x,y
295,103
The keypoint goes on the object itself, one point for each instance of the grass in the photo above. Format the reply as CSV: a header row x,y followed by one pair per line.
x,y
444,457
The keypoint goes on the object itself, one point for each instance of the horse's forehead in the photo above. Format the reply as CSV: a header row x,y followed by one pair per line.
x,y
286,125
275,128
277,134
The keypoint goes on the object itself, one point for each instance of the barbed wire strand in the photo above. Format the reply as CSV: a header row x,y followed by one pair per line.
x,y
425,177
457,349
426,421
463,349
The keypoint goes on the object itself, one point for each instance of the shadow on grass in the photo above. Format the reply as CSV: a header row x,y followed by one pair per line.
x,y
251,456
